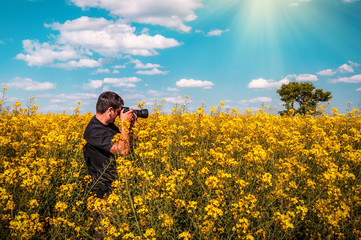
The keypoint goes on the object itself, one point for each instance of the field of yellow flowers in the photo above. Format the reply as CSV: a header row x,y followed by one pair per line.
x,y
217,175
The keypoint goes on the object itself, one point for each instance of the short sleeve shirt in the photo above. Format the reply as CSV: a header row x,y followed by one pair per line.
x,y
97,152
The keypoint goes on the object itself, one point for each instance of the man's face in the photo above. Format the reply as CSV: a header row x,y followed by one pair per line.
x,y
114,113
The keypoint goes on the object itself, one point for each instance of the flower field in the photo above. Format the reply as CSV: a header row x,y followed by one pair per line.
x,y
217,175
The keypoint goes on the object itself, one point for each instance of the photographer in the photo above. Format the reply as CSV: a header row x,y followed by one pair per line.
x,y
99,149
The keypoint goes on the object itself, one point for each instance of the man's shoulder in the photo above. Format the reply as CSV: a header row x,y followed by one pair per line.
x,y
94,124
97,127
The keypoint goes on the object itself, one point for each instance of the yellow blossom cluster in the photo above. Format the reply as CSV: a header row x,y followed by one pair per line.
x,y
42,174
217,175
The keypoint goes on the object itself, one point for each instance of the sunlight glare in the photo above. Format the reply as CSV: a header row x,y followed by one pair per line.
x,y
261,30
261,11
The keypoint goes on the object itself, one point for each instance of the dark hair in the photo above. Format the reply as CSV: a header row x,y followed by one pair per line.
x,y
107,100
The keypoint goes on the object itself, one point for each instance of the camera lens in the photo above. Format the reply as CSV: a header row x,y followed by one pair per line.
x,y
142,113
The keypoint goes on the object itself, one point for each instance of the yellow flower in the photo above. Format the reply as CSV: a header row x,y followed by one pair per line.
x,y
105,222
214,171
267,178
61,206
149,233
167,221
34,203
213,209
212,182
285,219
242,225
185,235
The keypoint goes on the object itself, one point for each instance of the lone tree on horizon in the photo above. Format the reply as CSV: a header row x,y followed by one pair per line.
x,y
304,95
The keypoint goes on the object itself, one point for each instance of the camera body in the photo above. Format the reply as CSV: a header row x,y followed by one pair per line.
x,y
142,113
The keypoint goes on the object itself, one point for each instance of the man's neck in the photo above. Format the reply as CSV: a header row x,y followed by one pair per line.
x,y
102,118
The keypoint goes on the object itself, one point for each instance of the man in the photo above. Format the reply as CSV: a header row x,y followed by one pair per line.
x,y
99,149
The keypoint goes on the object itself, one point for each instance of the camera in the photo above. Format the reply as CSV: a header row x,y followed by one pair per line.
x,y
142,113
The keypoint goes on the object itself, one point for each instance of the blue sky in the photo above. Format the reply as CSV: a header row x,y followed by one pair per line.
x,y
236,51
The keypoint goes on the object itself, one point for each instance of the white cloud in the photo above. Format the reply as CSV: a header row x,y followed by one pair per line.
x,y
160,94
44,54
352,79
174,100
327,72
93,84
126,82
262,83
125,85
306,77
56,108
133,96
30,85
80,38
140,65
101,70
169,89
216,32
194,83
69,98
145,30
260,100
154,71
344,68
267,84
155,93
110,38
354,64
301,77
119,66
84,23
168,13
350,1
124,79
255,100
85,62
359,89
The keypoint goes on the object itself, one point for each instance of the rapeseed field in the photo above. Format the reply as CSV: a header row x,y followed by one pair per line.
x,y
216,175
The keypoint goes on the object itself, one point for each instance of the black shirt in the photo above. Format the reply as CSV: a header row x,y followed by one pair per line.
x,y
97,155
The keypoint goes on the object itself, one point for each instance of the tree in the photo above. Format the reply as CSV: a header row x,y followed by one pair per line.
x,y
304,94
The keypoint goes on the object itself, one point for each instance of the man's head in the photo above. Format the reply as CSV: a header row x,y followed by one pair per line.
x,y
108,100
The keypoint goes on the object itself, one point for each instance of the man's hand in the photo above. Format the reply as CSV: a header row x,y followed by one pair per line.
x,y
129,116
126,115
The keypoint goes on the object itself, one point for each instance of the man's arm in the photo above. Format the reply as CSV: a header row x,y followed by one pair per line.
x,y
122,146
